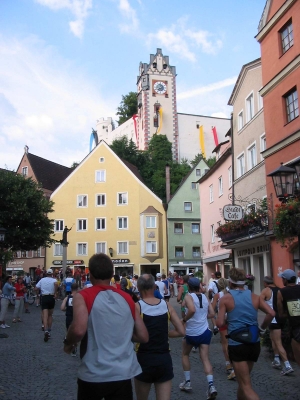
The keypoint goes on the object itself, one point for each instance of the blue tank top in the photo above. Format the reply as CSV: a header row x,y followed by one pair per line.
x,y
243,313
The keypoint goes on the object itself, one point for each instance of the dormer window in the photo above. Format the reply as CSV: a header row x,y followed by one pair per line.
x,y
25,171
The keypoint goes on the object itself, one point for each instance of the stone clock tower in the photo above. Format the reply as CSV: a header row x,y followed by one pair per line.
x,y
157,110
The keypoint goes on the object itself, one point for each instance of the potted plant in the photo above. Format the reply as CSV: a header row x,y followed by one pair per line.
x,y
287,220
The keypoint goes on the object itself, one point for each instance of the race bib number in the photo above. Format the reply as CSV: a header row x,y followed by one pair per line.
x,y
70,302
294,308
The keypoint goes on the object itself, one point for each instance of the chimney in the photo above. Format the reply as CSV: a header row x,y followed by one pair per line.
x,y
168,183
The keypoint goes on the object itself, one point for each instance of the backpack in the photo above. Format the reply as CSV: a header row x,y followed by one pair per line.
x,y
123,283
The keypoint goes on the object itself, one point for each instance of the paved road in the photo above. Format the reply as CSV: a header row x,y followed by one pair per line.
x,y
34,370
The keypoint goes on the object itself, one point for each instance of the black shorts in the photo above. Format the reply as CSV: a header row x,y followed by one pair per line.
x,y
117,390
68,321
157,368
295,333
276,325
244,352
48,302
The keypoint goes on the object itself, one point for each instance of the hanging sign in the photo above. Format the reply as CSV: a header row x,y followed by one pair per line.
x,y
232,212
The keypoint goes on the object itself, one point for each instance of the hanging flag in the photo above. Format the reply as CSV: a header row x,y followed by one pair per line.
x,y
214,129
160,111
202,144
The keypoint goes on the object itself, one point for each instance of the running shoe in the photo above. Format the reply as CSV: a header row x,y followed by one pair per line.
x,y
276,364
7,326
231,376
286,370
43,328
229,368
46,336
211,393
194,349
185,386
216,331
2,326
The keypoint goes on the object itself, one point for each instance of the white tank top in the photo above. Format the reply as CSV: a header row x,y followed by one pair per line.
x,y
270,303
198,324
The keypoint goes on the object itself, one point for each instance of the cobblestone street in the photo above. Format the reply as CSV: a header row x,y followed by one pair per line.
x,y
34,370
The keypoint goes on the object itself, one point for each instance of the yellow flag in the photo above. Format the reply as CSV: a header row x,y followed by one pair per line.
x,y
160,119
201,138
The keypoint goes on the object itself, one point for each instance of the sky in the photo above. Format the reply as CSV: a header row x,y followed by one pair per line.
x,y
66,63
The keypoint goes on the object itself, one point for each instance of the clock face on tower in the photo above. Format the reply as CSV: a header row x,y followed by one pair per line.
x,y
160,87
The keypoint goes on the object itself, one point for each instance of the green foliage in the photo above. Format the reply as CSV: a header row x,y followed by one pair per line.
x,y
128,151
209,161
127,107
74,164
23,213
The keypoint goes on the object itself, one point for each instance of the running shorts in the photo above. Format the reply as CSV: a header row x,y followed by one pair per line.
x,y
48,302
157,368
295,334
244,352
196,341
276,325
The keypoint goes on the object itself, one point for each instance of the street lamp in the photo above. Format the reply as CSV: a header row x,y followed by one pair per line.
x,y
283,181
284,184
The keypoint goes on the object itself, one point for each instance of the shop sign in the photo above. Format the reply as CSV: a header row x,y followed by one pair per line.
x,y
16,263
69,262
253,250
232,212
120,260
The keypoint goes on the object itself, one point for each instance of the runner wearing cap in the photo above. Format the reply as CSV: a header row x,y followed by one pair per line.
x,y
48,287
198,309
288,304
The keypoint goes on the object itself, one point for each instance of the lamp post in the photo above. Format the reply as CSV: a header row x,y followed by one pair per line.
x,y
284,185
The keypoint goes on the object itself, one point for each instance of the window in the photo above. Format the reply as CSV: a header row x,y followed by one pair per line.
x,y
58,249
82,200
212,233
101,159
220,185
292,106
122,223
82,224
230,176
122,247
240,120
82,249
122,198
196,252
195,227
263,142
58,225
151,247
100,175
178,251
251,156
259,101
37,253
250,107
178,227
25,171
219,224
211,193
187,206
100,200
101,247
194,185
100,224
150,222
198,172
241,165
287,36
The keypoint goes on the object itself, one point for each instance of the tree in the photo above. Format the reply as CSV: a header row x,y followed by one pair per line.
x,y
127,107
209,161
74,164
23,213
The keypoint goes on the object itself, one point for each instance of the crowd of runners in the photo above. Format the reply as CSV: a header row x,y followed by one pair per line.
x,y
122,324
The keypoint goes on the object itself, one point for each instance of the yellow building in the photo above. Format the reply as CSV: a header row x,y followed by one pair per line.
x,y
109,210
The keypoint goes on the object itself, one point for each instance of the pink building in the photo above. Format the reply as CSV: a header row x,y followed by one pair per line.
x,y
215,189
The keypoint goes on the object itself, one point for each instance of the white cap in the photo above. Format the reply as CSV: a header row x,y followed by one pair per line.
x,y
49,271
158,275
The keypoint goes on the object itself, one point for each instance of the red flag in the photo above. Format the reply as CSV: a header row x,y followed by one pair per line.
x,y
215,135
